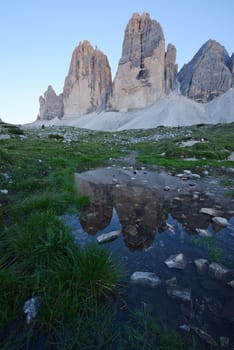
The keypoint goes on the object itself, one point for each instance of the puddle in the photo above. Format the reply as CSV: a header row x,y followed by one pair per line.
x,y
158,215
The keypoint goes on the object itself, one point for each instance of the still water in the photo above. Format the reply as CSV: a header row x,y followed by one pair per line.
x,y
159,216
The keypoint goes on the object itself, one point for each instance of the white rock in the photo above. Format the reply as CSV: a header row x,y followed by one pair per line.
x,y
185,328
210,211
30,308
108,237
219,271
145,278
203,233
179,293
177,261
4,191
220,221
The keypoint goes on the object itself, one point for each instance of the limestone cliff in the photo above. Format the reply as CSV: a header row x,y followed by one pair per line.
x,y
232,69
88,84
208,74
140,78
51,105
170,69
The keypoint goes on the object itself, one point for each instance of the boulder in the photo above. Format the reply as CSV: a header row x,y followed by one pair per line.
x,y
208,74
51,105
88,84
145,72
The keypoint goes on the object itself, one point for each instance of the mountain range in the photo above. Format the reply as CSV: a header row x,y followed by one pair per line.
x,y
147,90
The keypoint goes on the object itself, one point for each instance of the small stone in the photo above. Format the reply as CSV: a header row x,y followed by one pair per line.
x,y
177,261
205,172
220,221
187,172
108,237
185,328
201,265
4,191
195,176
30,308
203,233
183,295
219,271
166,188
210,211
149,278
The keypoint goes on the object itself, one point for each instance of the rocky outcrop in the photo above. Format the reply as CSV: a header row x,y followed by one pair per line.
x,y
51,105
170,69
208,74
88,84
232,69
144,67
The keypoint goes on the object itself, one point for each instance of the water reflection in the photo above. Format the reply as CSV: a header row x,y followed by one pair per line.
x,y
139,209
142,210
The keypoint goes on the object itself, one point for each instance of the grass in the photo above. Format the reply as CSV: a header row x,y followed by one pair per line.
x,y
214,151
210,246
144,333
38,256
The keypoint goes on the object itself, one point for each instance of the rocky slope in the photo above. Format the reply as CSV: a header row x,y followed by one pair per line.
x,y
208,74
171,110
88,84
145,72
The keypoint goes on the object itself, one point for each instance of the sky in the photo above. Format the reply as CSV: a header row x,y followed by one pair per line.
x,y
37,38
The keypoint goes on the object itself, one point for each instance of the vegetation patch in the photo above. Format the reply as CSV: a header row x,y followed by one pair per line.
x,y
210,246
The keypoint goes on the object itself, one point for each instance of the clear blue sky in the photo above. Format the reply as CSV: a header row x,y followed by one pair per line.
x,y
37,39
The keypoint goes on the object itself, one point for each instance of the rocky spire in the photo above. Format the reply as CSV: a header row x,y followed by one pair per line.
x,y
140,78
170,69
88,84
208,74
51,105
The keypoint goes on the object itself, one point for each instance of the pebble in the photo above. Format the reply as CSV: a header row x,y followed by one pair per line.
x,y
149,278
